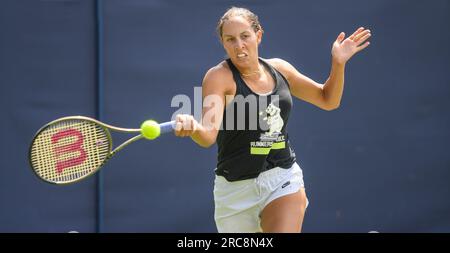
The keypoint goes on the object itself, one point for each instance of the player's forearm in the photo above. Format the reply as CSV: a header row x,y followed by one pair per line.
x,y
203,136
334,86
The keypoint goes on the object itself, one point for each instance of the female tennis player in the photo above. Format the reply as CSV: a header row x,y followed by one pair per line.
x,y
259,185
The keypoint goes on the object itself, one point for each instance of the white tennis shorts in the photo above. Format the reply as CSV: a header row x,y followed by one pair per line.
x,y
238,204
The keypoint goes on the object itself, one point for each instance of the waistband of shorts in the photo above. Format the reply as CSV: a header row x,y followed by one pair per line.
x,y
276,171
273,172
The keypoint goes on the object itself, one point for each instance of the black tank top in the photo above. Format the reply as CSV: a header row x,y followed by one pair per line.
x,y
253,136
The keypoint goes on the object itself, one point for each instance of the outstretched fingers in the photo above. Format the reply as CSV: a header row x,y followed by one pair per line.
x,y
361,40
359,30
362,36
363,46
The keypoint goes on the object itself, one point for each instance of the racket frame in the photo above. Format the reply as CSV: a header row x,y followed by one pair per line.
x,y
105,127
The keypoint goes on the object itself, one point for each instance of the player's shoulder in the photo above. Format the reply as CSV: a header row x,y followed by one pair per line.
x,y
279,63
220,69
219,73
282,66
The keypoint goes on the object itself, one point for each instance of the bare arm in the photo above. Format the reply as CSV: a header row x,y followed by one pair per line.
x,y
328,95
301,86
213,97
334,86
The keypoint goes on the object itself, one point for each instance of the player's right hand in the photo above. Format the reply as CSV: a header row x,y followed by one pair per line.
x,y
185,125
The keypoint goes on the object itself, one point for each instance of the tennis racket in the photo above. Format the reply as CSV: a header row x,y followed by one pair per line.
x,y
73,148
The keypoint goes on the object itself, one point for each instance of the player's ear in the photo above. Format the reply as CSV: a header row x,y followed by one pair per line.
x,y
259,35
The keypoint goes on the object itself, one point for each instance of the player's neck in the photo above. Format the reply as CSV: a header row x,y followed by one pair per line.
x,y
252,72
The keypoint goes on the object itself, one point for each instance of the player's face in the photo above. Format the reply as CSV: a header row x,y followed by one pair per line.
x,y
240,41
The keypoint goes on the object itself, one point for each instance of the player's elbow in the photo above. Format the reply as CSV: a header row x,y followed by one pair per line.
x,y
331,107
329,103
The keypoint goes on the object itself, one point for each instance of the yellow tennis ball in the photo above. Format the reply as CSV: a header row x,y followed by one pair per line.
x,y
150,129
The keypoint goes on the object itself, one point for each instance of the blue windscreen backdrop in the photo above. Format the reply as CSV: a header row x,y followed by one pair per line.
x,y
379,162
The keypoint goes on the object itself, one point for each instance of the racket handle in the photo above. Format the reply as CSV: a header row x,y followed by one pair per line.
x,y
167,127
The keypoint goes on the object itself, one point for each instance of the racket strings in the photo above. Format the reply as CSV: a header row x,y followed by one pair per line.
x,y
69,150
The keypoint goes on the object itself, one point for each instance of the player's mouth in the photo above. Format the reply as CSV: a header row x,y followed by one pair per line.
x,y
242,55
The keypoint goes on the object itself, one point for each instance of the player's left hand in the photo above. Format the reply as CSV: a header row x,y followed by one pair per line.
x,y
343,50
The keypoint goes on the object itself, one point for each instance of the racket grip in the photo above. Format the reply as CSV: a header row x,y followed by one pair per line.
x,y
167,127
